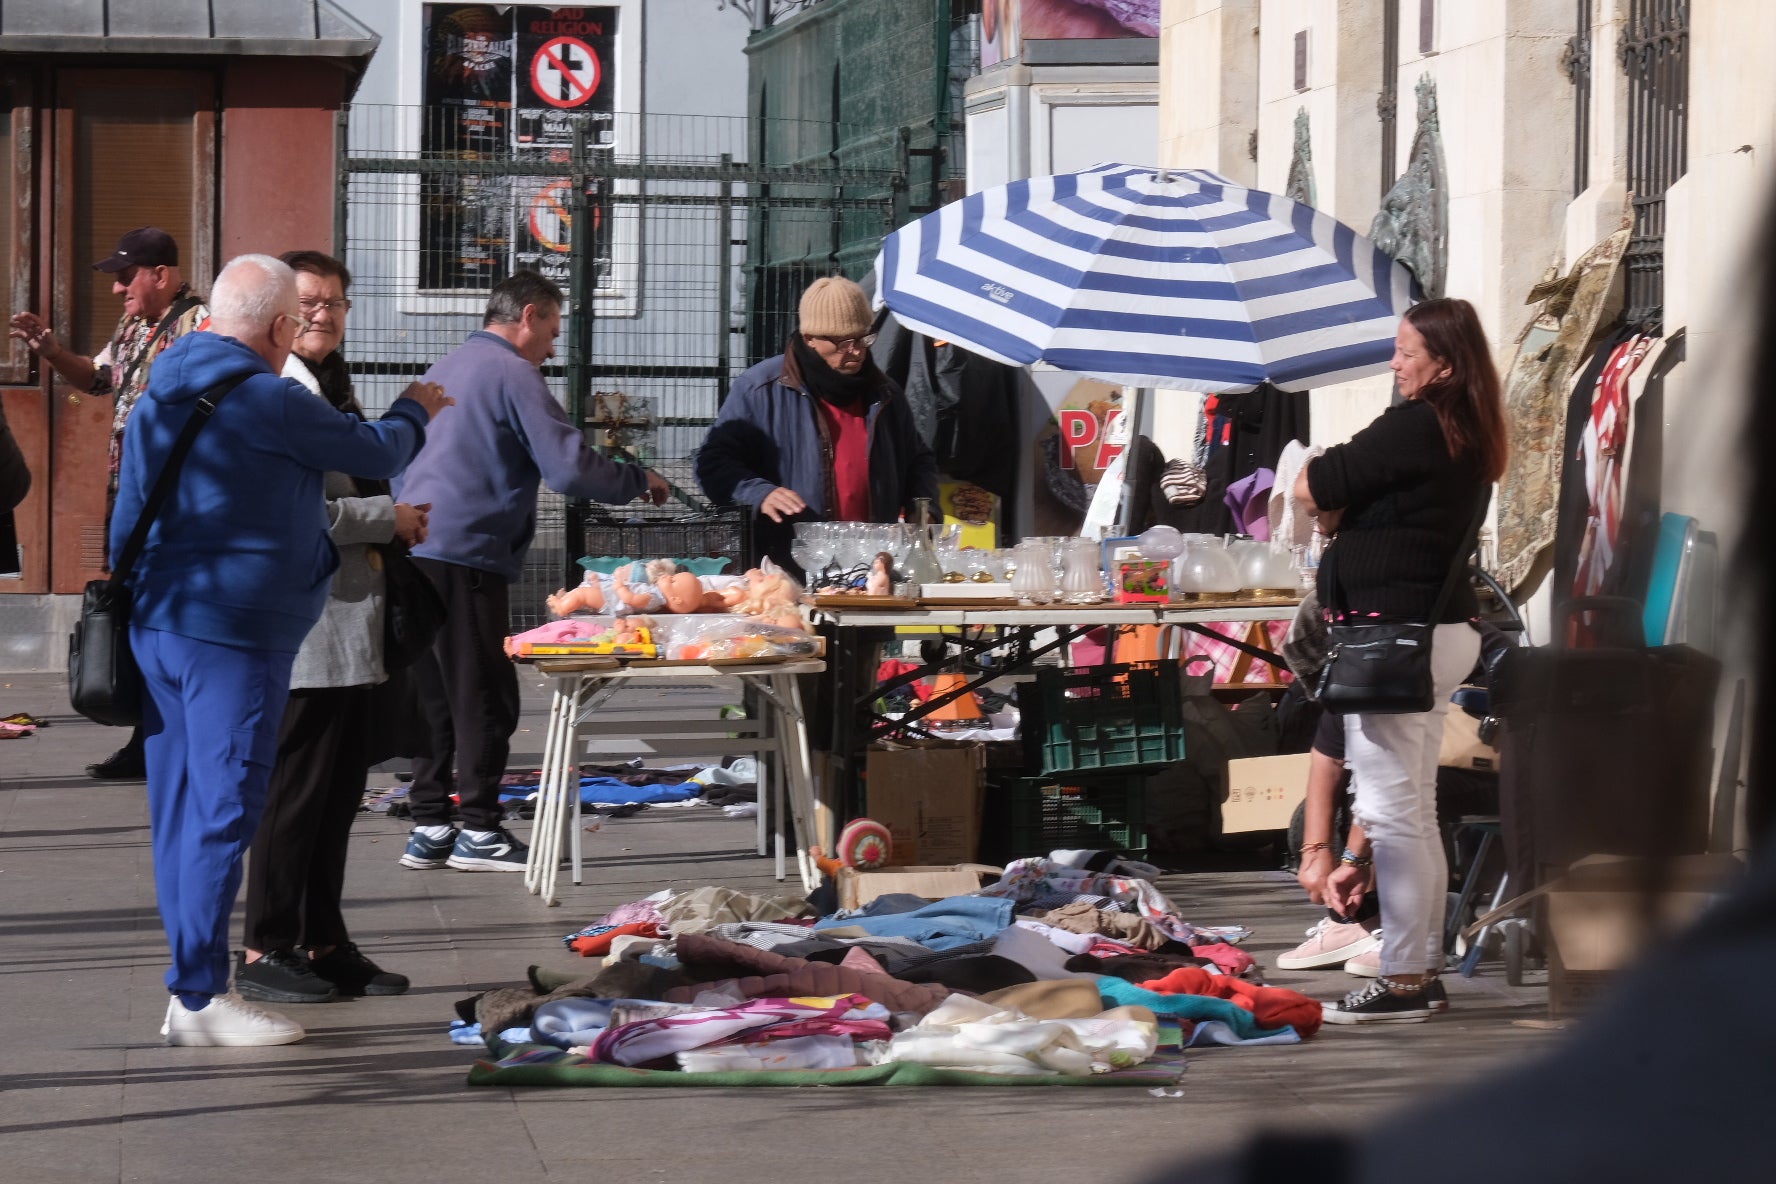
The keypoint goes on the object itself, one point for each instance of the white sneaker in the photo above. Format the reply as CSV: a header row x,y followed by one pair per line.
x,y
229,1022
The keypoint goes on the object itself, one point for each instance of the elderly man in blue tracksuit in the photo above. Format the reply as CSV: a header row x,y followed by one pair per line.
x,y
234,573
480,470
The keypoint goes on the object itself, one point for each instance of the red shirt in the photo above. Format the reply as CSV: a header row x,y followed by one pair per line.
x,y
849,427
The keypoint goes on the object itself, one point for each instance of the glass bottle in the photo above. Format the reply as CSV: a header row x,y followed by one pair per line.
x,y
922,566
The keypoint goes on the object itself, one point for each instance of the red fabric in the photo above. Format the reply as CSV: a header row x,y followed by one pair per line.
x,y
1230,959
599,944
850,438
1272,1007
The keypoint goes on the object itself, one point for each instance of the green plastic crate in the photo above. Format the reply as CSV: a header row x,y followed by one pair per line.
x,y
1116,716
1103,812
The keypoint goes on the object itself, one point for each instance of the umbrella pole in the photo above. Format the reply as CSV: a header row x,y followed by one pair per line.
x,y
1134,470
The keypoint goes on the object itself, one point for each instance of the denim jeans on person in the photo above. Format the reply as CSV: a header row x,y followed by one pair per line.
x,y
1393,762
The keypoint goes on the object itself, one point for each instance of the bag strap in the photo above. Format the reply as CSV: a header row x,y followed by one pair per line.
x,y
180,307
1469,541
169,473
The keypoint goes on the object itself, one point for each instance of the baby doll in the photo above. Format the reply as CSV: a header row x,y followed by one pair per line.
x,y
771,596
687,593
589,597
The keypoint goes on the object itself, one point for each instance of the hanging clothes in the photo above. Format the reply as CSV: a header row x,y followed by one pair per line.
x,y
1602,445
1244,433
1574,503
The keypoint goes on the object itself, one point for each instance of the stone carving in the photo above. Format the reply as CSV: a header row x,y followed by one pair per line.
x,y
1413,223
1301,165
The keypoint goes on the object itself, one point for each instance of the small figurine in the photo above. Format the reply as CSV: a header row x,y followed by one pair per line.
x,y
880,581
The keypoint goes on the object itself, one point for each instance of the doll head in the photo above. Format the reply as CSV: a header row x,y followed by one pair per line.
x,y
683,591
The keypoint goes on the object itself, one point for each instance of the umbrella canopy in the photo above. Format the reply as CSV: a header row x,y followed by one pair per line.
x,y
1131,275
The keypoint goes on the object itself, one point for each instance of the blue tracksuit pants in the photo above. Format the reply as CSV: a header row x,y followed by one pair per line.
x,y
211,719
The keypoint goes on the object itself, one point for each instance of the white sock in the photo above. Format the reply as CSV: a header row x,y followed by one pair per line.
x,y
433,832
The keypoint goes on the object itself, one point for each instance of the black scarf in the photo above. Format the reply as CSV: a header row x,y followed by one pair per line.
x,y
827,384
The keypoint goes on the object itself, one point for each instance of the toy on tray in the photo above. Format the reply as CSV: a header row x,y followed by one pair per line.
x,y
620,637
711,636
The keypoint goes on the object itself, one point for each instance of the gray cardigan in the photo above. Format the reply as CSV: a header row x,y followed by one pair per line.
x,y
344,649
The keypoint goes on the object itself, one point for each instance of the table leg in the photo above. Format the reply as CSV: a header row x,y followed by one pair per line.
x,y
533,863
785,697
557,782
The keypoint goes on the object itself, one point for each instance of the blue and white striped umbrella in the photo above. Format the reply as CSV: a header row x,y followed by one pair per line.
x,y
1185,281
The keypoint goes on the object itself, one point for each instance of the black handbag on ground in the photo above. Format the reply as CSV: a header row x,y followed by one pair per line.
x,y
1385,668
104,682
413,610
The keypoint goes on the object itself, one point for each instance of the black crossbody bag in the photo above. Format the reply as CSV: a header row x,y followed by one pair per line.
x,y
1385,668
104,682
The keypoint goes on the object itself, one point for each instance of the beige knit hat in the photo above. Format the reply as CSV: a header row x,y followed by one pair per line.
x,y
833,306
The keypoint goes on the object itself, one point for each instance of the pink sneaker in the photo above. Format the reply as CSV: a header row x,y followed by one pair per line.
x,y
1328,944
1368,963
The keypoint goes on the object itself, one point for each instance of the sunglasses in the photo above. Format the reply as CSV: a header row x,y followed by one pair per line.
x,y
847,344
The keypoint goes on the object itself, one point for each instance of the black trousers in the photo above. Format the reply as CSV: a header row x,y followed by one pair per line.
x,y
468,691
296,876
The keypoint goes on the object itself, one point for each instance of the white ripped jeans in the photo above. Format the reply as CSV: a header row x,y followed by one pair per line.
x,y
1393,763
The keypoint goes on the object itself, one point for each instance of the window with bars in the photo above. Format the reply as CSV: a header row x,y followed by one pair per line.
x,y
1655,56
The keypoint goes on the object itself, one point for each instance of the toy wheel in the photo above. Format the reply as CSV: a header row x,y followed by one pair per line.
x,y
865,844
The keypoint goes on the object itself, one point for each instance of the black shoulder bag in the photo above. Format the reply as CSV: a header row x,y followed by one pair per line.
x,y
1385,668
104,682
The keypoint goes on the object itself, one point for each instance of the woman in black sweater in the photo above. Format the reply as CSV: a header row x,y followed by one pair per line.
x,y
1398,500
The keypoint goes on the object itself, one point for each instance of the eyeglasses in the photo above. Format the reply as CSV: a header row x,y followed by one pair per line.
x,y
311,306
300,323
847,344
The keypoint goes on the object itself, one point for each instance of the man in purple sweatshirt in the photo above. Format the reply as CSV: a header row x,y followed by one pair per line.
x,y
480,469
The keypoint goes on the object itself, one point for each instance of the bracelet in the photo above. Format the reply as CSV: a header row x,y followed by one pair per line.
x,y
1352,859
1307,847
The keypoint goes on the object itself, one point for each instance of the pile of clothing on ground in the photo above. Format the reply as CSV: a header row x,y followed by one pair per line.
x,y
621,790
1053,973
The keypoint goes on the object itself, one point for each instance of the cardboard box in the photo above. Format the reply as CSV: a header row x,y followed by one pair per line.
x,y
1599,919
1263,791
929,796
858,888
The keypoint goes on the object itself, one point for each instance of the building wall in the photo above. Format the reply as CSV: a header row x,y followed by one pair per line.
x,y
279,156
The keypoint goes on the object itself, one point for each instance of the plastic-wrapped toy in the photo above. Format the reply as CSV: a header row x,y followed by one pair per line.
x,y
711,637
623,637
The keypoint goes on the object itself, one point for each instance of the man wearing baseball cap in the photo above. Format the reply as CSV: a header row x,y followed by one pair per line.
x,y
158,308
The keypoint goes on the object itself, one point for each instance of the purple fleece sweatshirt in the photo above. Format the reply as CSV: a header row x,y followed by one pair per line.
x,y
484,457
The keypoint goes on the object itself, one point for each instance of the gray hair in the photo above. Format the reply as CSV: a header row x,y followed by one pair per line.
x,y
252,292
505,305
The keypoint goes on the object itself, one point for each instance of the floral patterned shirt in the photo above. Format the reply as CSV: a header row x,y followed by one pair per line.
x,y
118,362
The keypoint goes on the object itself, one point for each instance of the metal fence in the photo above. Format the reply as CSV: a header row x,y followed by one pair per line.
x,y
659,242
1655,56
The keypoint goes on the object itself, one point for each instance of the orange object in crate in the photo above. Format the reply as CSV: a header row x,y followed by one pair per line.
x,y
962,708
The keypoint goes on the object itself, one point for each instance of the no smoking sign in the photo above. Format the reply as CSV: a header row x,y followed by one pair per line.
x,y
565,72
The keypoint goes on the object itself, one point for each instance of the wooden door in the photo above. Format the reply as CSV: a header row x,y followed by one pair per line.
x,y
130,148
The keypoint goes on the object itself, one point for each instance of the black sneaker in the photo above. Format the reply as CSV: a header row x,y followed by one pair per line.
x,y
281,976
1373,1003
1436,997
126,764
353,974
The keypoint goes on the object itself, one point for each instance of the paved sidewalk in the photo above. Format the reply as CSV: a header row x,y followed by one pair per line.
x,y
88,1094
